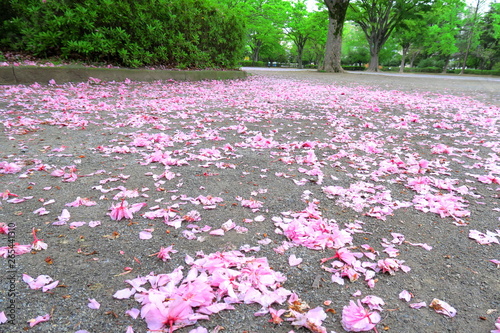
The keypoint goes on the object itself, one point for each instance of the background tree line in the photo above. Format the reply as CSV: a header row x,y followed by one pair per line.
x,y
430,35
419,35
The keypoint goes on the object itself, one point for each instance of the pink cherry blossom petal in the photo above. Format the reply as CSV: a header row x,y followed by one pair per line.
x,y
294,261
39,319
405,295
443,308
93,304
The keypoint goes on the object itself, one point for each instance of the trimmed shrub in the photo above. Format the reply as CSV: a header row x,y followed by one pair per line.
x,y
172,33
478,71
354,68
249,63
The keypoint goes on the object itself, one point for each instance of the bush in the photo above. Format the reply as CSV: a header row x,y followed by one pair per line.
x,y
354,68
249,63
173,33
478,71
430,63
425,70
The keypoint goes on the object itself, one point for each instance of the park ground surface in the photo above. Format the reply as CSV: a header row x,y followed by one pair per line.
x,y
292,190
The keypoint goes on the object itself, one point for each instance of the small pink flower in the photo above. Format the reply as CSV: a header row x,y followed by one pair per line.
x,y
4,229
276,315
164,253
312,320
19,249
81,202
355,318
37,243
373,302
123,210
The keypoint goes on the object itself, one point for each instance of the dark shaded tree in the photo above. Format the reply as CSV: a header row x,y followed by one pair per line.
x,y
379,19
337,10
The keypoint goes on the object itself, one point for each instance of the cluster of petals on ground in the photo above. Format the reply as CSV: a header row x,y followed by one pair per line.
x,y
371,152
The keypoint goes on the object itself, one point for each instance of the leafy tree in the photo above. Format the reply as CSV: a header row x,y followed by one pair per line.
x,y
315,46
265,21
488,50
354,46
471,32
409,36
298,28
443,27
379,19
495,19
337,10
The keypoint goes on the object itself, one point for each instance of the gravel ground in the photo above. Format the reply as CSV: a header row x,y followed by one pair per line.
x,y
408,168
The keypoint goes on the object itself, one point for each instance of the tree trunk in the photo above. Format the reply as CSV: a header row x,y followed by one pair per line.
x,y
336,16
471,36
300,52
256,51
446,63
413,57
403,58
374,51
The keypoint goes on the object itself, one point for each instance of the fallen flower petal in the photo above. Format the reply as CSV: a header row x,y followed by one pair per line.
x,y
50,286
39,319
443,308
373,302
93,304
497,325
405,295
124,293
418,305
294,261
145,235
134,313
312,319
3,318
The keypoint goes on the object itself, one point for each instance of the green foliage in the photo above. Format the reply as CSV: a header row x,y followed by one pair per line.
x,y
172,33
379,19
249,63
495,15
354,45
431,63
479,72
354,68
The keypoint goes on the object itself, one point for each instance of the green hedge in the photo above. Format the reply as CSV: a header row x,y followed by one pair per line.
x,y
173,33
354,68
249,63
440,70
478,71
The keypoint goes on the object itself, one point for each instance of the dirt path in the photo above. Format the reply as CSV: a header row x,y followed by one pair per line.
x,y
484,88
330,187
